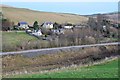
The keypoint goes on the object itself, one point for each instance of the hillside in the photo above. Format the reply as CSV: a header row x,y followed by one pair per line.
x,y
21,14
114,16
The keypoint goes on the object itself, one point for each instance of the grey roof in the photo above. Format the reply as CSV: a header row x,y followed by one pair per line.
x,y
48,23
22,22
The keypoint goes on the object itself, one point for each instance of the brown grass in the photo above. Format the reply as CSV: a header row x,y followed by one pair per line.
x,y
20,14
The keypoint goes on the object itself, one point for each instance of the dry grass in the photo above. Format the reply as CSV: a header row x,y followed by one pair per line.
x,y
19,63
20,14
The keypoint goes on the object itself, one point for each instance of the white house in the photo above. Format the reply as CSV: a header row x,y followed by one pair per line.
x,y
23,25
37,33
47,25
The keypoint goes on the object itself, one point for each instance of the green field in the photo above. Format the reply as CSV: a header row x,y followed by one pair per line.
x,y
16,37
15,41
104,70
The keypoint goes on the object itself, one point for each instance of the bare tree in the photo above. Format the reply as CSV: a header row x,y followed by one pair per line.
x,y
7,24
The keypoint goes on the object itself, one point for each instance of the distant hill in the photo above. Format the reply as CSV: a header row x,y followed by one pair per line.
x,y
22,14
112,16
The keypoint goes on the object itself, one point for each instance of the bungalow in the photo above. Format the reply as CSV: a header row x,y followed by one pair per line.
x,y
37,33
47,25
23,25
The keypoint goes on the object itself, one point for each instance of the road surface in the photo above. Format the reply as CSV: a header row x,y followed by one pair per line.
x,y
36,52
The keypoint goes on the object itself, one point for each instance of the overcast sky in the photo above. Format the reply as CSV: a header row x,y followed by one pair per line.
x,y
82,8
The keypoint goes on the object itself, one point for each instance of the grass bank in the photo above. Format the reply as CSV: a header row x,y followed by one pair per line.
x,y
104,70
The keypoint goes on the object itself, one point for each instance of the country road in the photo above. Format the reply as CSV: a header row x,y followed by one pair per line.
x,y
51,50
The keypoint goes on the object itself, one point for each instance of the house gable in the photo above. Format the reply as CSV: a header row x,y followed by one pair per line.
x,y
48,25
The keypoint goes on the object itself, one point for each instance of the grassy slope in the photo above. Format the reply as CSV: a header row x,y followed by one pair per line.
x,y
20,14
16,37
104,70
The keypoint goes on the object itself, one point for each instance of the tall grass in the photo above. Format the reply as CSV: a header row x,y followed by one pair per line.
x,y
104,70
